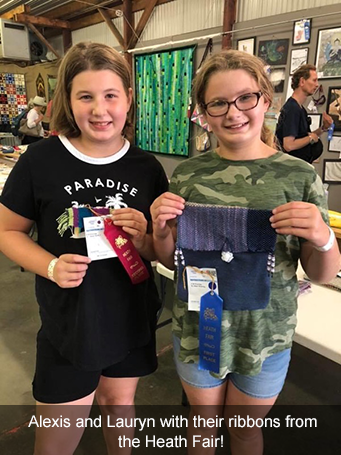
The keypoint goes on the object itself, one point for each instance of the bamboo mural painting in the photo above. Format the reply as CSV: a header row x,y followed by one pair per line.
x,y
163,82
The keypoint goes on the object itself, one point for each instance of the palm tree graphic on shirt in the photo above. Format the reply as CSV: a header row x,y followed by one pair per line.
x,y
116,202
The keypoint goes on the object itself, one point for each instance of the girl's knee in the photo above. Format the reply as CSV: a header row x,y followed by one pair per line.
x,y
244,433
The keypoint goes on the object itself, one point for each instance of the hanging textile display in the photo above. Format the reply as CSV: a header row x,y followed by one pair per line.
x,y
163,83
13,98
40,84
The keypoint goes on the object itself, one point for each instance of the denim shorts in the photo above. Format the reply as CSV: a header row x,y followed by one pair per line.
x,y
266,384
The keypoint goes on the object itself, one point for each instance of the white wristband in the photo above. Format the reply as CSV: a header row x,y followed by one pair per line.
x,y
329,244
50,269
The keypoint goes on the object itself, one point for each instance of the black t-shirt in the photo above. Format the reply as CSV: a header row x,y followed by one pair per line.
x,y
97,323
293,121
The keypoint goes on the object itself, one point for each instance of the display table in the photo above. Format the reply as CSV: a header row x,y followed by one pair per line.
x,y
337,232
4,173
319,318
319,321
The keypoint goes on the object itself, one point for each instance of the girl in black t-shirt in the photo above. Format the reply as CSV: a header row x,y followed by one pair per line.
x,y
98,328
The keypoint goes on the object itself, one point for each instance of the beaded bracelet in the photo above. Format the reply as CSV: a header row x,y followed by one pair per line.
x,y
50,269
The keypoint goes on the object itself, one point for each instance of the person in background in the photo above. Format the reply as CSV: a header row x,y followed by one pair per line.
x,y
48,114
245,173
97,336
293,126
34,118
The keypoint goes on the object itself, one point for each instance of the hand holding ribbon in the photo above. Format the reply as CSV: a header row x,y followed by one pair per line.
x,y
126,230
133,223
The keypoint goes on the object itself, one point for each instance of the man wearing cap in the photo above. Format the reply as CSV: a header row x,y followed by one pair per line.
x,y
293,126
34,118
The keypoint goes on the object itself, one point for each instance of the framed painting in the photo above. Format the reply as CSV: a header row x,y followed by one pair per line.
x,y
247,45
163,83
301,33
274,52
331,171
334,106
334,145
328,53
277,78
298,58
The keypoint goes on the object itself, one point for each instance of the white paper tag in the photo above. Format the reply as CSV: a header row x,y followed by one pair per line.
x,y
199,284
97,244
311,106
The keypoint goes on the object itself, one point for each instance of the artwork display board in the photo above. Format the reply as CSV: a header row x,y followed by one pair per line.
x,y
163,82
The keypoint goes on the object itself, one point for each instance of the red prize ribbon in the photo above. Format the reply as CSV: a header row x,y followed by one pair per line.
x,y
126,252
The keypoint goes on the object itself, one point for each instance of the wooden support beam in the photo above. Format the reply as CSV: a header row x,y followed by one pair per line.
x,y
96,18
67,39
142,23
112,27
41,21
19,10
78,7
92,19
230,14
43,39
128,28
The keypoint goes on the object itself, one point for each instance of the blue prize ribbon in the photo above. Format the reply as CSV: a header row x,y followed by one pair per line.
x,y
211,306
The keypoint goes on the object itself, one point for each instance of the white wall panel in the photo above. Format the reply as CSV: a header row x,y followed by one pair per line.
x,y
167,20
255,9
183,16
98,33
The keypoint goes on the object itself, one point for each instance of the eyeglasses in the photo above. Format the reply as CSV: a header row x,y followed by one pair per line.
x,y
244,102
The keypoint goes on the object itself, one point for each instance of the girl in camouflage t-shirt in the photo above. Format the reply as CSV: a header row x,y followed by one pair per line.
x,y
245,171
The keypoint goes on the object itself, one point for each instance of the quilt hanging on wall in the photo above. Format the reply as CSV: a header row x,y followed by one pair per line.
x,y
163,82
13,99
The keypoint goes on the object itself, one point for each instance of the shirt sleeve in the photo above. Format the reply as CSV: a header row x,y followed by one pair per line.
x,y
291,122
317,195
32,116
18,193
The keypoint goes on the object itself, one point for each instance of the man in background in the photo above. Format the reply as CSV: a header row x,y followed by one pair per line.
x,y
293,126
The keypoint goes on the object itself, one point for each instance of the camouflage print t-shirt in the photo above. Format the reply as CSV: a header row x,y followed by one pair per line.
x,y
249,337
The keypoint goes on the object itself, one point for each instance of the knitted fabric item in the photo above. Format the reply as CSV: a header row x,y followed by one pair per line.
x,y
72,218
239,243
209,227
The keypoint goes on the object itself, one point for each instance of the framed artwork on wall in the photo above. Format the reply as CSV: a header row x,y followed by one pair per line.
x,y
247,45
40,86
331,171
301,33
335,144
274,52
277,78
316,120
163,83
298,58
334,106
328,53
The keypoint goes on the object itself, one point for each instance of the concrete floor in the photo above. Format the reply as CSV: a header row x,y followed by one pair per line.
x,y
313,385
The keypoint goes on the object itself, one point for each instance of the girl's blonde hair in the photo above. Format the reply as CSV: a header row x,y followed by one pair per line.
x,y
83,57
235,60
